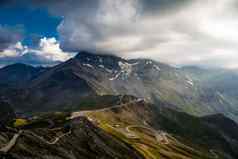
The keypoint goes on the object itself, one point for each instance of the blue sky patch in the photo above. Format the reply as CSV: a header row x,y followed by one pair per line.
x,y
36,23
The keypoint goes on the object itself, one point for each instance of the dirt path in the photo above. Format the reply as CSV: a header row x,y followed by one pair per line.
x,y
84,113
11,143
213,153
14,139
55,140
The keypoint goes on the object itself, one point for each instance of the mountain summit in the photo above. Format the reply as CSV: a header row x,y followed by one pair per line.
x,y
108,61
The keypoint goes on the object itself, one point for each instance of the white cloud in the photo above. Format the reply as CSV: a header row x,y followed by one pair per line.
x,y
48,52
14,50
192,34
49,49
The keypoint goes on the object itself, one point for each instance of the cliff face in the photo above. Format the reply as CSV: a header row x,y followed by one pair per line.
x,y
78,138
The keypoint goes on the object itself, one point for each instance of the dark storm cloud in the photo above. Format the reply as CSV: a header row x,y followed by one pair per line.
x,y
65,6
62,7
9,36
153,7
82,27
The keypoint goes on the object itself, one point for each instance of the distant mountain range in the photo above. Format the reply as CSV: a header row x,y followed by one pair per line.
x,y
190,89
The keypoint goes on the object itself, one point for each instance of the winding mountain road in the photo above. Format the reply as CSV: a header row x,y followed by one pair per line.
x,y
159,135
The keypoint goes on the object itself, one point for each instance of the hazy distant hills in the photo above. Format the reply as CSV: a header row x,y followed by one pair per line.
x,y
190,89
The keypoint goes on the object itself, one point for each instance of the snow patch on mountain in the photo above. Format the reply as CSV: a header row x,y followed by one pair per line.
x,y
125,70
108,70
100,60
221,99
220,95
88,65
189,81
101,66
148,62
117,75
156,67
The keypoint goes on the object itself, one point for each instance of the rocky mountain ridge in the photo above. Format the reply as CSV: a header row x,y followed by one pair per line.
x,y
195,91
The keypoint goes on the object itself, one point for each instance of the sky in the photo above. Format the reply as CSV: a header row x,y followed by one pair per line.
x,y
178,32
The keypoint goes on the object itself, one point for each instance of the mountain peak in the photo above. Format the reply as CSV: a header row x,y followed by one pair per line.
x,y
109,61
86,54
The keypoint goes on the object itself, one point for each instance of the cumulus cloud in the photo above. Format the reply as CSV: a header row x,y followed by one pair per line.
x,y
49,49
13,50
48,52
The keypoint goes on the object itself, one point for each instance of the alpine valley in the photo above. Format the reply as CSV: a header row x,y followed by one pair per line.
x,y
96,106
